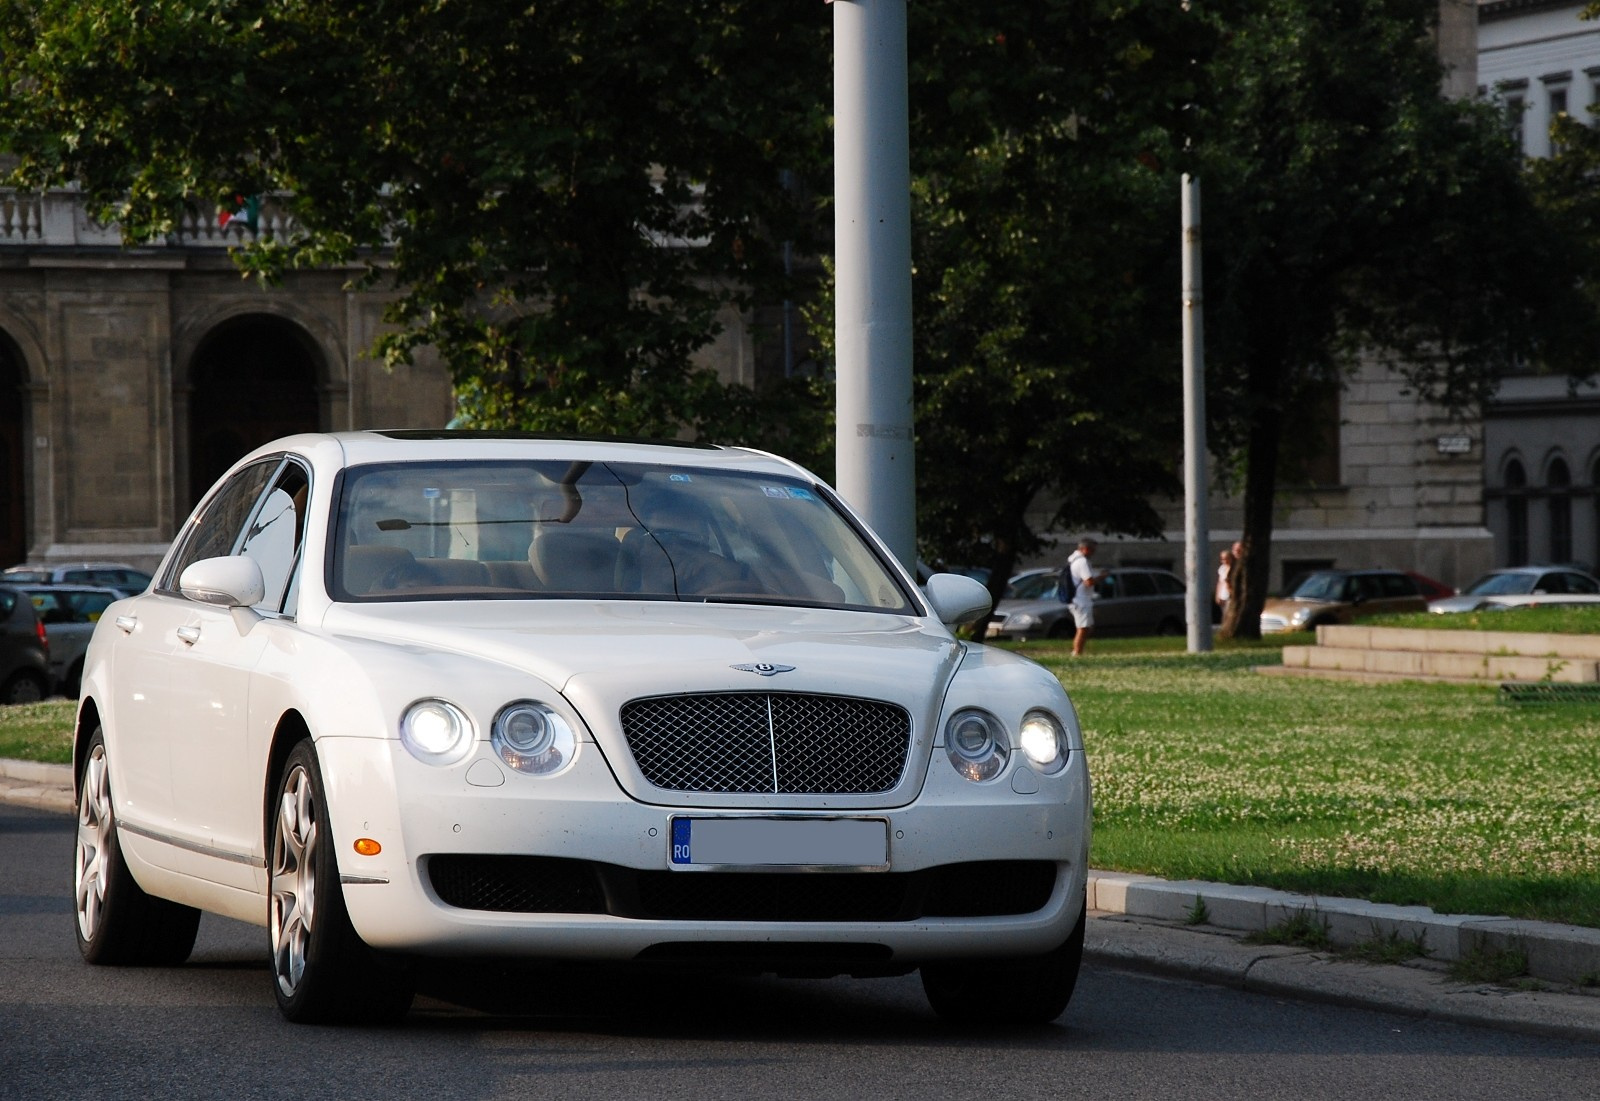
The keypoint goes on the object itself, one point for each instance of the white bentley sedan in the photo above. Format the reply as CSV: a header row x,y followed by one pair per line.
x,y
401,695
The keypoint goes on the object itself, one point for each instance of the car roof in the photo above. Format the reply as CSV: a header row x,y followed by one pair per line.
x,y
421,445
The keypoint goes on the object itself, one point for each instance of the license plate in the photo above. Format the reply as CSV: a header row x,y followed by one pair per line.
x,y
780,842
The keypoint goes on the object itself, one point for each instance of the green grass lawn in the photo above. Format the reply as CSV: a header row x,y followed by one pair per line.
x,y
1407,793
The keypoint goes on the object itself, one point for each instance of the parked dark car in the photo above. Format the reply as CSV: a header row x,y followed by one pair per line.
x,y
1340,596
24,651
1128,600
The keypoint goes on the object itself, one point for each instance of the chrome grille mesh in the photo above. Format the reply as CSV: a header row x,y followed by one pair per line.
x,y
784,743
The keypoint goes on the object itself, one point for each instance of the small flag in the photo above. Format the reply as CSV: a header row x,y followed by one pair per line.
x,y
245,211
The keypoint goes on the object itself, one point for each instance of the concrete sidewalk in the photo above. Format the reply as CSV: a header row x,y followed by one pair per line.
x,y
1149,924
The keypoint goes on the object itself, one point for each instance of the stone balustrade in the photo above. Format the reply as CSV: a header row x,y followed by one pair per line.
x,y
57,218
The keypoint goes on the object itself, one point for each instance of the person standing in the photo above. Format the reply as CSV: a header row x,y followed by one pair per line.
x,y
1224,590
1082,603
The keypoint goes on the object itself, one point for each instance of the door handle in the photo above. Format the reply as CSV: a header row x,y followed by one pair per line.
x,y
126,623
191,635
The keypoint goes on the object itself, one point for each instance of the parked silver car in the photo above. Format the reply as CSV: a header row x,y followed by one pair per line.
x,y
1128,600
69,613
1523,585
116,574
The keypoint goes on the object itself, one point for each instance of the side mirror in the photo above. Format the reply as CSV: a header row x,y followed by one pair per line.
x,y
957,598
230,582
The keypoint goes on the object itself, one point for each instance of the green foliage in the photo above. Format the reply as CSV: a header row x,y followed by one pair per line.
x,y
1303,929
1043,233
1350,209
1490,965
1388,948
528,176
38,731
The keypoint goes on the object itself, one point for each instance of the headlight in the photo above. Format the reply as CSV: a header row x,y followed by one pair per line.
x,y
1043,741
976,744
436,732
1021,621
1300,616
532,738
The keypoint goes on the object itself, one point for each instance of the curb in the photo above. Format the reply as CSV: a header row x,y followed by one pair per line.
x,y
1567,954
1144,923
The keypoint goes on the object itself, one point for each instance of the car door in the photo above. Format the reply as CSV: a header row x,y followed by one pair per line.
x,y
181,684
217,771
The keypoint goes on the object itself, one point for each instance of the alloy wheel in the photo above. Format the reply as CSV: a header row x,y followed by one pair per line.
x,y
294,879
90,867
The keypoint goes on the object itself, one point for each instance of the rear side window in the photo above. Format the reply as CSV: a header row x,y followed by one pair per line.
x,y
1398,584
216,528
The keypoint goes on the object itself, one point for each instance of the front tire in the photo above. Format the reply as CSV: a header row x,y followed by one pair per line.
x,y
1034,990
117,922
322,972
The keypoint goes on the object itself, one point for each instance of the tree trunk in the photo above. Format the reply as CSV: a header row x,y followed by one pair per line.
x,y
1253,576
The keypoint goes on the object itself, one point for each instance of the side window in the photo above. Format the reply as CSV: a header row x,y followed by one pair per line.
x,y
1577,583
1395,584
275,536
1138,584
214,530
1553,583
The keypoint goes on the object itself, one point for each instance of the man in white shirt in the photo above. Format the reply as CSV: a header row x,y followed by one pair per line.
x,y
1082,603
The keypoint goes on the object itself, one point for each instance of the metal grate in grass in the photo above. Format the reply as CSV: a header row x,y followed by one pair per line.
x,y
1545,692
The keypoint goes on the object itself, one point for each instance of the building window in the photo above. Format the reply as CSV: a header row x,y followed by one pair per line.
x,y
1559,481
1558,108
1516,515
1516,107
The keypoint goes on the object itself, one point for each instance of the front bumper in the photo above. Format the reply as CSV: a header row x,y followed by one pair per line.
x,y
582,819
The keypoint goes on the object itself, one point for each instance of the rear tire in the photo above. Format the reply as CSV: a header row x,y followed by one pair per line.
x,y
25,686
117,922
1033,990
322,972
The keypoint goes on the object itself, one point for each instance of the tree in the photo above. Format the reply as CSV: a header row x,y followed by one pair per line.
x,y
564,193
1351,210
1045,296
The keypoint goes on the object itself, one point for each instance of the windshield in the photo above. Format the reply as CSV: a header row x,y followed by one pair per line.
x,y
530,530
1501,584
1039,586
1331,587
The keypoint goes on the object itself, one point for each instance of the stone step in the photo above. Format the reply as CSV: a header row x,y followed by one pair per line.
x,y
1482,667
1497,643
1359,675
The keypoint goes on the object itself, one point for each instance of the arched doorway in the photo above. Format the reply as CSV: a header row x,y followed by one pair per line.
x,y
13,437
254,378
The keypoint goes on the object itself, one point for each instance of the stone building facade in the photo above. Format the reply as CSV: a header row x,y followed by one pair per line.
x,y
1540,59
130,377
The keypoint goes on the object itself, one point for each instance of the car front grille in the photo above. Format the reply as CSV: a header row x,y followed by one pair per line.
x,y
1274,623
781,743
554,885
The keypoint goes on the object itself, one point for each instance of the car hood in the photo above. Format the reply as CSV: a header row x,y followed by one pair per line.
x,y
1032,607
625,649
1288,606
1455,603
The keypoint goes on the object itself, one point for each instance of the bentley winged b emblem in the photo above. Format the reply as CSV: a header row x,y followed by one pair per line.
x,y
764,668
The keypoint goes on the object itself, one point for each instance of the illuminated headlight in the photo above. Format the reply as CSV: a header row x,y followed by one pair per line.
x,y
531,738
1043,741
1300,616
436,732
976,744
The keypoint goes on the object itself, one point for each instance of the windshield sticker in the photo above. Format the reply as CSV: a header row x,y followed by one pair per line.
x,y
800,493
774,491
679,478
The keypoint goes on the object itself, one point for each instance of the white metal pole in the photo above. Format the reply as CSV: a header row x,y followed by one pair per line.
x,y
1198,568
872,294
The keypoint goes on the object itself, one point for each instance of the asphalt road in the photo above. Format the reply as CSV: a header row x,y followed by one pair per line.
x,y
209,1030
